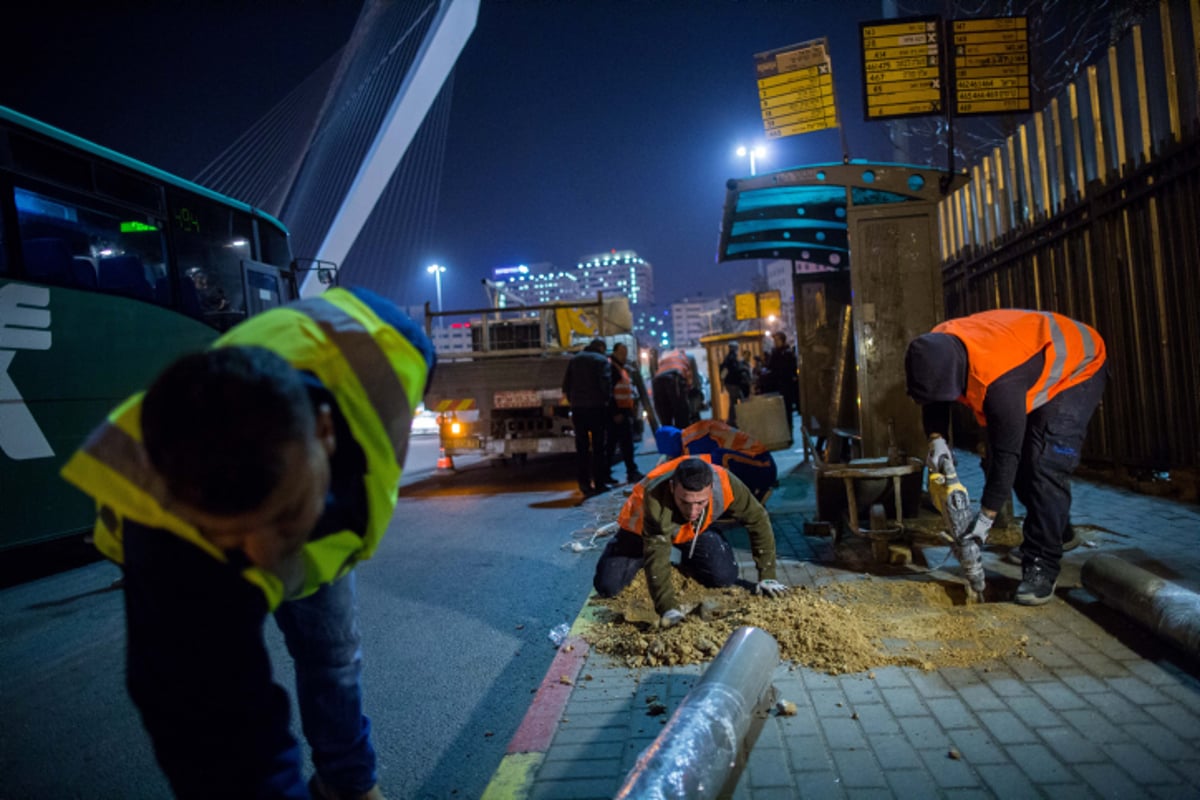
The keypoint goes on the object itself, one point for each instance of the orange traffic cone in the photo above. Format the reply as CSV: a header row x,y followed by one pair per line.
x,y
444,461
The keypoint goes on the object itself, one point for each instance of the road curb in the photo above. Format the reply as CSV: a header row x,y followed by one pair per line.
x,y
513,779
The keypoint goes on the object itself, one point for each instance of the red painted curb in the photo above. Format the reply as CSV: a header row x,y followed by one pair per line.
x,y
541,720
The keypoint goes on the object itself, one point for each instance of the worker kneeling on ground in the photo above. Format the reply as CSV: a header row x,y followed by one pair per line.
x,y
250,479
1033,378
675,505
725,446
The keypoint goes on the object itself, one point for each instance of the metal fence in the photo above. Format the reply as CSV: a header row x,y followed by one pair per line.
x,y
1092,209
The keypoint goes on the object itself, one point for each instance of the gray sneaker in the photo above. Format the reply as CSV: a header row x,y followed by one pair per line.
x,y
1036,586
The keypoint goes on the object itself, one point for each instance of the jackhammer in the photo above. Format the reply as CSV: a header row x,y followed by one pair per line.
x,y
950,497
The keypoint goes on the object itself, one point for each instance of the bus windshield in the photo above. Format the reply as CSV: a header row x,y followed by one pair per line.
x,y
109,269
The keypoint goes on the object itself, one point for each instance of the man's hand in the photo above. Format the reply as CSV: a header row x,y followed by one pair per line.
x,y
671,618
939,450
980,528
771,588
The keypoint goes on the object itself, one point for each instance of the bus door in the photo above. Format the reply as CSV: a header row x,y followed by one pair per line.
x,y
265,287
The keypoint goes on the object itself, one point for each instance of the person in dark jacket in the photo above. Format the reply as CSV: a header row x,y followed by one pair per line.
x,y
735,377
1033,378
781,376
670,386
587,386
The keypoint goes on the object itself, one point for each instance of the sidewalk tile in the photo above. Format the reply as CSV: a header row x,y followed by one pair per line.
x,y
1058,697
951,712
1006,780
574,790
1138,691
1178,719
1109,781
876,718
559,770
980,697
1034,712
947,772
893,751
807,753
1069,746
768,768
931,684
912,784
1006,728
977,747
1093,727
1036,761
904,701
844,733
1161,741
1139,762
924,732
858,769
593,750
820,785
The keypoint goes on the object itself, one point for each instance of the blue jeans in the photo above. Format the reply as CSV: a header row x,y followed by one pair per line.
x,y
322,635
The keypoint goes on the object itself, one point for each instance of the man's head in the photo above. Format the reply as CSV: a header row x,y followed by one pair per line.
x,y
244,455
619,353
597,345
935,368
691,487
733,347
780,338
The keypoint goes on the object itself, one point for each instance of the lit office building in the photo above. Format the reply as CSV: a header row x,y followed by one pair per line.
x,y
653,326
619,272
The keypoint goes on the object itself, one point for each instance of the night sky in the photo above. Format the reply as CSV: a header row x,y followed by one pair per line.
x,y
577,126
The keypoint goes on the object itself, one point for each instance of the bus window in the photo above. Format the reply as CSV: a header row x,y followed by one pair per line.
x,y
68,243
273,247
210,243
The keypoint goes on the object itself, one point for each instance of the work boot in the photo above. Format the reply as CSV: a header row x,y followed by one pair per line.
x,y
1036,586
1073,540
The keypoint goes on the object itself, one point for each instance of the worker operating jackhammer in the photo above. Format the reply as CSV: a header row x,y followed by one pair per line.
x,y
1033,379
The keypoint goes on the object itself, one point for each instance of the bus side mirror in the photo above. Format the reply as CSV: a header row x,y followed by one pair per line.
x,y
325,276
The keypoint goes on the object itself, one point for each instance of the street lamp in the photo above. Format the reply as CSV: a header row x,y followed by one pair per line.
x,y
755,152
437,270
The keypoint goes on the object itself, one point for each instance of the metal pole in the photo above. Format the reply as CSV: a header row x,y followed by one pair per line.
x,y
707,736
1164,607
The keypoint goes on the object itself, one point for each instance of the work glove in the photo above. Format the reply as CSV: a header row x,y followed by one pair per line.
x,y
671,618
979,529
939,451
771,588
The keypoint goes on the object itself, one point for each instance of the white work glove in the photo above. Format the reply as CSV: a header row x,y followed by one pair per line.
x,y
771,588
939,450
979,529
671,618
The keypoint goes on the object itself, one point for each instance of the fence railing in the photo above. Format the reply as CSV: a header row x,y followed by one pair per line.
x,y
1092,209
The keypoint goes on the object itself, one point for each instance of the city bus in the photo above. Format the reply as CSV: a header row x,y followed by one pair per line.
x,y
109,269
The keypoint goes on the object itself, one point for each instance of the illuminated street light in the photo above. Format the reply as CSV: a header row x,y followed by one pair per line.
x,y
755,152
437,270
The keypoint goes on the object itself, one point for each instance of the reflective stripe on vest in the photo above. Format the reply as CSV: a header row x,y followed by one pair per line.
x,y
674,360
726,436
999,341
632,517
376,377
622,388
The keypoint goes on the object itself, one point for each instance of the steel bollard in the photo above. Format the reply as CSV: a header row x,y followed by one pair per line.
x,y
704,740
1164,607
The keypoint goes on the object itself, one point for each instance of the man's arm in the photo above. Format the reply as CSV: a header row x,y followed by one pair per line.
x,y
751,513
199,673
656,553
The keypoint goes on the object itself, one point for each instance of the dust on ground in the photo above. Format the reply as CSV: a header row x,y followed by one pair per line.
x,y
848,626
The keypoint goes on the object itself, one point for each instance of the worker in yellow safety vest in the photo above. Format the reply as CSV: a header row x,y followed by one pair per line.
x,y
675,506
250,479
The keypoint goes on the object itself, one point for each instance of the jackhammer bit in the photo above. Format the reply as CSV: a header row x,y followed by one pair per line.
x,y
950,498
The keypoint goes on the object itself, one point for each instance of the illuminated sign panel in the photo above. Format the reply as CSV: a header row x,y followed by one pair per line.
x,y
991,65
795,89
745,306
902,67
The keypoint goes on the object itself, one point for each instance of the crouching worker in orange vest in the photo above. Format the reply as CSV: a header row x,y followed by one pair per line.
x,y
673,506
249,480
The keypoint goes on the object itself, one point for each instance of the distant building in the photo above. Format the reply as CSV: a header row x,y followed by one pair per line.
x,y
692,318
652,325
618,272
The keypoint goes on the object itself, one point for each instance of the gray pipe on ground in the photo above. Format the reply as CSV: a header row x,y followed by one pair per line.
x,y
1164,607
699,747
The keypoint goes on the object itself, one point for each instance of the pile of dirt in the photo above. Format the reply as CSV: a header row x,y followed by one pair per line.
x,y
849,626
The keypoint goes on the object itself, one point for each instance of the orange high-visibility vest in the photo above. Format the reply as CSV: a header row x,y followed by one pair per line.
x,y
632,516
999,341
675,360
727,436
622,388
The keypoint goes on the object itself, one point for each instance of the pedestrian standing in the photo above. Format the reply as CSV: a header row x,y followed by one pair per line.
x,y
735,377
587,386
624,413
670,387
781,377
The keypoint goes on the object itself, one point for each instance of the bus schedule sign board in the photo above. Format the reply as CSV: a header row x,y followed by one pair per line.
x,y
795,89
745,306
902,67
991,65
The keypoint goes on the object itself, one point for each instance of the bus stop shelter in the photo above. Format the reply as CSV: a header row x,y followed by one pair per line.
x,y
864,246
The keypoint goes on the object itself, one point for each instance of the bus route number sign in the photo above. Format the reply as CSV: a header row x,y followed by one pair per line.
x,y
902,67
795,89
991,65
